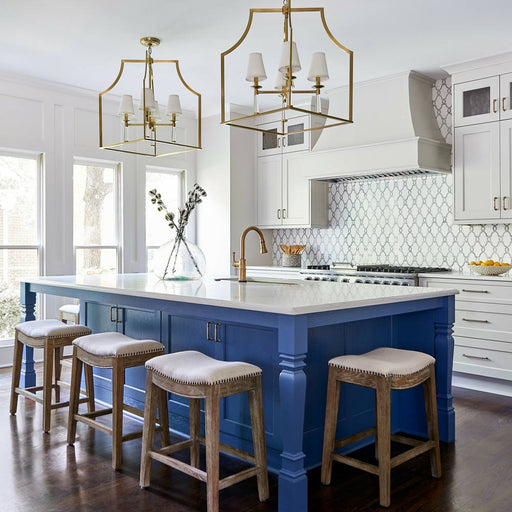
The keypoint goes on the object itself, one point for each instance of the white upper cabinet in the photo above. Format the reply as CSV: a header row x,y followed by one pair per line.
x,y
505,96
477,172
482,152
477,101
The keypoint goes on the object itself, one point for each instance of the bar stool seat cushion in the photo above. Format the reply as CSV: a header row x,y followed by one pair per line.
x,y
115,344
385,362
73,309
51,329
195,368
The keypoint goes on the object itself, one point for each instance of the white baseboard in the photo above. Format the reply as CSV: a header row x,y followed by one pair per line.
x,y
484,384
6,351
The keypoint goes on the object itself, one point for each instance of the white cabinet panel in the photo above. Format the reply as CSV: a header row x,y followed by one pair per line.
x,y
506,168
505,96
270,143
477,101
477,172
270,190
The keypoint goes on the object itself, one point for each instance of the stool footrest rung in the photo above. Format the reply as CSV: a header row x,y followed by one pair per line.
x,y
94,414
410,441
355,437
226,448
413,452
177,464
176,447
237,477
93,423
133,410
355,463
131,435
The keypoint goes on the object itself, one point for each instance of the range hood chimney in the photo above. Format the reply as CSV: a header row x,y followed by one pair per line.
x,y
394,133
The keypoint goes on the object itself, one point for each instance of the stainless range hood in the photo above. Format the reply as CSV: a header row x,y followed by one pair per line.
x,y
394,134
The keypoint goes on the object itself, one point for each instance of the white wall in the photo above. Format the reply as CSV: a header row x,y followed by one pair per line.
x,y
62,123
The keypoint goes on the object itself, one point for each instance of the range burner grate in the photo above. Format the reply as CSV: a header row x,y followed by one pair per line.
x,y
395,269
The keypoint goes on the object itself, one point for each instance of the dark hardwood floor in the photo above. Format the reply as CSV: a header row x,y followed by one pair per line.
x,y
41,473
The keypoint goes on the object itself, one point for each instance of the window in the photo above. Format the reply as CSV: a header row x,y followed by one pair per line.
x,y
96,229
20,228
169,183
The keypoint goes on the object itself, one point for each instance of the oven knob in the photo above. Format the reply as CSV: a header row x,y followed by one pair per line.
x,y
346,280
358,281
333,279
386,282
307,278
316,279
405,284
396,283
369,281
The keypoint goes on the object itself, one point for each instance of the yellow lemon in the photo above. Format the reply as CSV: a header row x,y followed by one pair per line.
x,y
472,262
505,264
489,262
497,264
480,262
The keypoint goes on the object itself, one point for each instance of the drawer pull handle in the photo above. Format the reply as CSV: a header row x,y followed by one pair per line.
x,y
495,203
475,320
503,104
494,106
504,203
216,333
208,337
475,291
485,358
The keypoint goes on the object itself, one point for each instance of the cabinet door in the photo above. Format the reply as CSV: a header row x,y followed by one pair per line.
x,y
270,209
269,143
506,168
296,199
100,317
297,141
477,172
477,101
506,96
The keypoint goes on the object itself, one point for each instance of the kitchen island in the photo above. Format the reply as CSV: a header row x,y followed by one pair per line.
x,y
290,331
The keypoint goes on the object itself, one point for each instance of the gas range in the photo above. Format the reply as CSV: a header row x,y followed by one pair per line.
x,y
369,274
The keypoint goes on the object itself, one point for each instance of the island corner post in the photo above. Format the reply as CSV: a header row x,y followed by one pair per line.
x,y
293,349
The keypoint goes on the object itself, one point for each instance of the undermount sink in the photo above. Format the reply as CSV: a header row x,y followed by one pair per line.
x,y
267,280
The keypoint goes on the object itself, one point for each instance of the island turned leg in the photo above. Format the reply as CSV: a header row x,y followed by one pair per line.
x,y
28,305
443,345
293,482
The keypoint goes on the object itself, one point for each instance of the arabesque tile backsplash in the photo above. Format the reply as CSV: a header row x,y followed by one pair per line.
x,y
404,221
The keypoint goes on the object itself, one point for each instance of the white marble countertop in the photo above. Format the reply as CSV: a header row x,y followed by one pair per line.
x,y
271,296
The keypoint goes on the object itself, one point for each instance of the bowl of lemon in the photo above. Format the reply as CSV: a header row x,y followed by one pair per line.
x,y
489,267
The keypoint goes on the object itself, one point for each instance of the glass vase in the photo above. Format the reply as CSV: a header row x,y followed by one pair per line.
x,y
179,260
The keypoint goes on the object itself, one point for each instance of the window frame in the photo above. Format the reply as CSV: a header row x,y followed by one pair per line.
x,y
118,210
39,158
181,173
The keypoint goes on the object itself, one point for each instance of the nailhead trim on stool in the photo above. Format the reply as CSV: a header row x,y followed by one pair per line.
x,y
51,336
195,375
116,351
383,369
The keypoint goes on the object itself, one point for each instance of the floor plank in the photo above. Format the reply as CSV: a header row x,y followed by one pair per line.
x,y
40,473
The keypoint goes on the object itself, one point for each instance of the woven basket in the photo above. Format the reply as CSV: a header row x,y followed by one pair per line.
x,y
490,271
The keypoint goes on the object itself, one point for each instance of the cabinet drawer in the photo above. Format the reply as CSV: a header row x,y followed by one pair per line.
x,y
482,361
477,323
475,290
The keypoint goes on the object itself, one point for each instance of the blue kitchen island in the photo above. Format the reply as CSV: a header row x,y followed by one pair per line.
x,y
289,329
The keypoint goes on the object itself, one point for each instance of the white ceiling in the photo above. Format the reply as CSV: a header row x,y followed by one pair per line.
x,y
81,42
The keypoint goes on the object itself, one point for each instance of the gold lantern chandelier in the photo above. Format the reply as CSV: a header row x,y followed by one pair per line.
x,y
287,99
144,131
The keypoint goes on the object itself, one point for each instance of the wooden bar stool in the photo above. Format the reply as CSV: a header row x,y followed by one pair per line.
x,y
69,313
195,375
116,351
382,369
51,336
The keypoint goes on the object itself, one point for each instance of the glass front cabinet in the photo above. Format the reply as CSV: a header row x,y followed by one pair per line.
x,y
270,143
482,101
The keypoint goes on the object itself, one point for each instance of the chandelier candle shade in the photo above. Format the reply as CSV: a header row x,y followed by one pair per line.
x,y
293,94
145,131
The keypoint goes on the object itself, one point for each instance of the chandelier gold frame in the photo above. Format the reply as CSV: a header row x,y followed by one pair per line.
x,y
147,80
287,92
